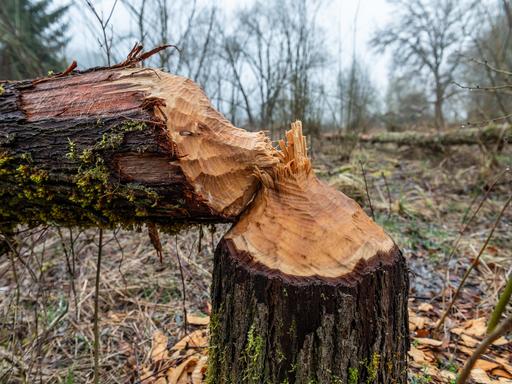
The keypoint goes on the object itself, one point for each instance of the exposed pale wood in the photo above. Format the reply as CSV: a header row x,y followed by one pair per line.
x,y
327,233
216,157
307,288
198,164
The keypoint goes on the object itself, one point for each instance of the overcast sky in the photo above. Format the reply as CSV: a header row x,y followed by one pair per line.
x,y
337,17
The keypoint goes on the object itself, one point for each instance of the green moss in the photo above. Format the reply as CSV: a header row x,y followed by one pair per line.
x,y
213,350
252,356
373,368
2,90
72,153
353,375
89,194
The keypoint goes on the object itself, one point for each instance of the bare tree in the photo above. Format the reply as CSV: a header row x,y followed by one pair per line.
x,y
428,36
490,51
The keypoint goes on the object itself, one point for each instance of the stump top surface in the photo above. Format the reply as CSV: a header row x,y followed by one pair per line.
x,y
302,227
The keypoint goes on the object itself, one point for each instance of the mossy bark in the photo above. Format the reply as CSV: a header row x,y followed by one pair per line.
x,y
268,327
489,135
89,168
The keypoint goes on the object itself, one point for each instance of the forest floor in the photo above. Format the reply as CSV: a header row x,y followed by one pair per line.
x,y
421,198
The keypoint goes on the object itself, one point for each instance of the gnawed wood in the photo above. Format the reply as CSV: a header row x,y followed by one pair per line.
x,y
122,145
307,288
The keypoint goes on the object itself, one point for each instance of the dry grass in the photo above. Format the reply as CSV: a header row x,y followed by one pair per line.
x,y
47,282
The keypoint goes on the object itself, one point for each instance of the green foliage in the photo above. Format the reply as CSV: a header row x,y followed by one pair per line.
x,y
353,375
252,355
32,36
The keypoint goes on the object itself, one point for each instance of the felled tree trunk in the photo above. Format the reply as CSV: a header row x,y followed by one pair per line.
x,y
95,149
491,134
307,288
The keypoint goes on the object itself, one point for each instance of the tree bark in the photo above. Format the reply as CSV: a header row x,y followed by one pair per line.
x,y
94,148
488,135
287,311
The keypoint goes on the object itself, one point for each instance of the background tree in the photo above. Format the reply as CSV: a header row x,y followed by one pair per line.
x,y
32,38
428,36
489,57
407,105
357,97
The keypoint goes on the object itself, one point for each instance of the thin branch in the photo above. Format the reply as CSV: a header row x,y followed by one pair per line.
x,y
367,191
96,314
500,306
184,296
503,329
473,264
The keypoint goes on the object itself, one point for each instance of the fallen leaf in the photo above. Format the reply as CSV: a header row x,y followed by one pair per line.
x,y
427,341
417,355
174,375
486,365
425,307
501,373
197,339
200,370
469,341
480,377
447,375
198,319
501,341
504,363
159,347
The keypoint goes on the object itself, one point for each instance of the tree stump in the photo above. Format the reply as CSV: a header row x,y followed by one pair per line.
x,y
307,288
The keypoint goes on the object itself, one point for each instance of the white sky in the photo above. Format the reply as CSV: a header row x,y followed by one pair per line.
x,y
335,16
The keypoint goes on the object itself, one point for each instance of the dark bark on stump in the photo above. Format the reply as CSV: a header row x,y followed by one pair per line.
x,y
267,327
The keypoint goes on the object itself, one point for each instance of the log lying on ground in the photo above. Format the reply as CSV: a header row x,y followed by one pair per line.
x,y
307,288
122,145
491,134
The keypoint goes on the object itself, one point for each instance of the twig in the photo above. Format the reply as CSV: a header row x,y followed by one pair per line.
x,y
465,224
96,310
505,327
473,264
388,192
500,306
182,286
104,25
367,192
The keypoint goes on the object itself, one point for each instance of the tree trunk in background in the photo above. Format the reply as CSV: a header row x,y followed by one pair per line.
x,y
489,135
295,301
